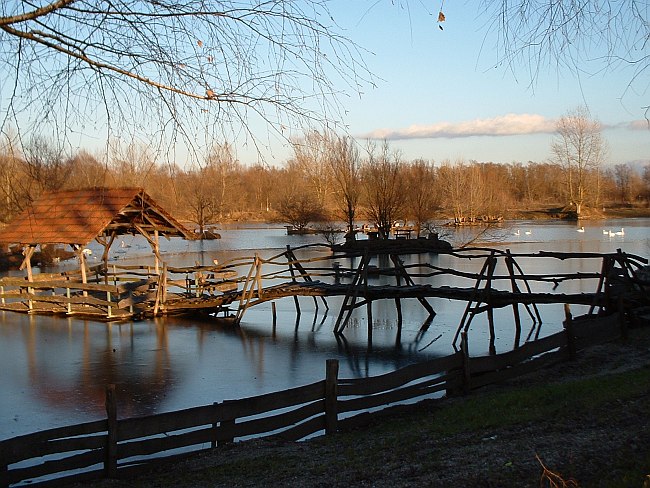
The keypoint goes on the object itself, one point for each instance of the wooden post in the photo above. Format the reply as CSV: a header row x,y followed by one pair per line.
x,y
108,299
568,329
622,320
110,463
156,250
398,306
221,439
467,374
369,308
27,263
273,312
2,292
215,429
4,474
331,392
515,289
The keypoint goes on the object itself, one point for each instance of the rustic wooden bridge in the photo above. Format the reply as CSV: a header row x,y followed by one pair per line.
x,y
229,289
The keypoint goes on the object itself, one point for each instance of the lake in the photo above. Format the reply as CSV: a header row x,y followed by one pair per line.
x,y
54,371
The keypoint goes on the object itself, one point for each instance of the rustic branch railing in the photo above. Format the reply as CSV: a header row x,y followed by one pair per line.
x,y
121,447
122,292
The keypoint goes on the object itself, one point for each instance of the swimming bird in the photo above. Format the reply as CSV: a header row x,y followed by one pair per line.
x,y
528,232
605,231
581,229
124,244
516,233
611,234
621,232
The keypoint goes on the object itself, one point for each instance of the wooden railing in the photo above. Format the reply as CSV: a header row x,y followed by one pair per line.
x,y
121,447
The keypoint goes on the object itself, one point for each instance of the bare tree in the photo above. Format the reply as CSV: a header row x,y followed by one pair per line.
x,y
47,166
384,189
200,198
422,197
173,69
311,159
579,148
623,176
346,167
221,168
299,210
541,34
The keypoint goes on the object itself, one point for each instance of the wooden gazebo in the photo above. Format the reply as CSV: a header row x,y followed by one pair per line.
x,y
76,217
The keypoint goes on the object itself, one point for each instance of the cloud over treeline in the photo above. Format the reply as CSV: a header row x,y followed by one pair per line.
x,y
503,125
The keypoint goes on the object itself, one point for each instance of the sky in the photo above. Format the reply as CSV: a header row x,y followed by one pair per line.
x,y
441,94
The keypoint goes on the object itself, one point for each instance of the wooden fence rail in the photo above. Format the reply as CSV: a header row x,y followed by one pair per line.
x,y
121,447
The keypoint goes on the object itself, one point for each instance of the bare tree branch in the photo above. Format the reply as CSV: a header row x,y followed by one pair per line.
x,y
194,69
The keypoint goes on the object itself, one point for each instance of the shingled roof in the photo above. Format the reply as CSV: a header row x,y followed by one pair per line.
x,y
78,216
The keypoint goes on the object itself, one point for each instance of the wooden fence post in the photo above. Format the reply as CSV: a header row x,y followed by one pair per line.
x,y
622,319
110,463
331,392
467,374
4,471
568,328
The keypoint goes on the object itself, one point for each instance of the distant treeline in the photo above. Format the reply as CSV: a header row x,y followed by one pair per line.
x,y
327,179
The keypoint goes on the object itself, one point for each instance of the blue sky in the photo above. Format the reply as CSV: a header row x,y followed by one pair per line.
x,y
437,88
439,95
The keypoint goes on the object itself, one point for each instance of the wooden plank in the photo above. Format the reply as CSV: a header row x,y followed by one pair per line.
x,y
245,407
272,422
135,300
167,422
300,431
600,335
78,461
393,396
394,379
164,443
66,480
526,351
13,294
73,285
78,300
140,285
520,369
57,446
28,446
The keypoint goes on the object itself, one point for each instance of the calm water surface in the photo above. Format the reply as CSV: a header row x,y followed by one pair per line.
x,y
53,371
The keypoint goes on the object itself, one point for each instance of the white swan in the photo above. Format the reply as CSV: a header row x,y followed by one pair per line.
x,y
516,233
581,229
611,234
605,231
621,232
528,232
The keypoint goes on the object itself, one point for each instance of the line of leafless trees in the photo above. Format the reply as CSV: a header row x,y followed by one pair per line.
x,y
329,178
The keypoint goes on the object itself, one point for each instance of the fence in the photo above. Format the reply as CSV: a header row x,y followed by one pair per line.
x,y
121,447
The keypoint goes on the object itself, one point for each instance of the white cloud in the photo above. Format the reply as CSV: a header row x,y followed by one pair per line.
x,y
504,125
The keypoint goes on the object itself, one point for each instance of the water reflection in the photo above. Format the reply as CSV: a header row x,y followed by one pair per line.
x,y
69,363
